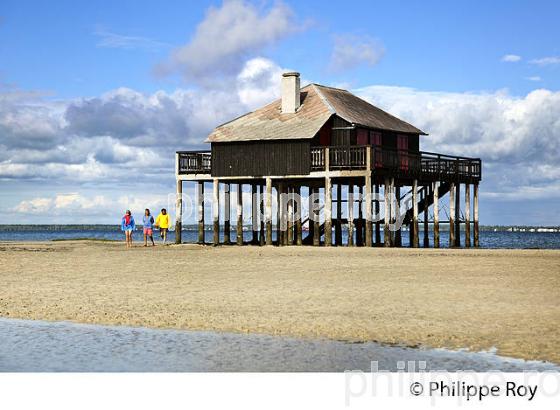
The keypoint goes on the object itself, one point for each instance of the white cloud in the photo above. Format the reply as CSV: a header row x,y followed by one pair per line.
x,y
227,36
108,39
518,138
122,132
75,200
76,204
124,140
534,78
553,60
511,58
88,171
34,206
350,51
27,119
259,82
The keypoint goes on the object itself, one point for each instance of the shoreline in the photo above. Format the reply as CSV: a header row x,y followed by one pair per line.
x,y
474,299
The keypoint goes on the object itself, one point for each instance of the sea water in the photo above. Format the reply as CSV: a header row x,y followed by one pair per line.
x,y
488,239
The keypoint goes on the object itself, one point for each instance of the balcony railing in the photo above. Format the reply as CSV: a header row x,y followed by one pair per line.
x,y
353,157
400,162
383,161
194,162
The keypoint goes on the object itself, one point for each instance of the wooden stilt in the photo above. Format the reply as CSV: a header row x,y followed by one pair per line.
x,y
227,214
310,224
285,214
452,215
316,221
254,214
392,212
377,222
310,213
398,232
458,215
239,214
279,232
436,214
350,205
368,215
369,204
360,221
216,211
179,211
338,225
200,200
299,239
467,216
426,209
290,217
475,215
387,218
285,223
268,211
415,239
262,239
328,211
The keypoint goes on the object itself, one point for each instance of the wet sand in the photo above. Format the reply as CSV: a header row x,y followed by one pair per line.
x,y
475,299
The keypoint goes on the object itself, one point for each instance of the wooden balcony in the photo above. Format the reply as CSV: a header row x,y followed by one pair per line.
x,y
387,161
382,161
194,162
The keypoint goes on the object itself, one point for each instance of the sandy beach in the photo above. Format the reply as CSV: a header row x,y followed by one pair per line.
x,y
475,299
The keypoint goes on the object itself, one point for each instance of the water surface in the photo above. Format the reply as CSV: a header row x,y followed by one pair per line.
x,y
38,346
488,239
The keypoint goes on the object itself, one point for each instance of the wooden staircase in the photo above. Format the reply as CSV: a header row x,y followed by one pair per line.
x,y
308,240
429,198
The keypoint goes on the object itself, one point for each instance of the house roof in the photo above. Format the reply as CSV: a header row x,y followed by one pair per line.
x,y
358,111
318,104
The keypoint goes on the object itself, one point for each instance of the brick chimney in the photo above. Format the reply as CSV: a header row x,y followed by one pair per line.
x,y
290,92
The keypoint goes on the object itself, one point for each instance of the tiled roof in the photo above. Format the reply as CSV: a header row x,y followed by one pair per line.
x,y
318,104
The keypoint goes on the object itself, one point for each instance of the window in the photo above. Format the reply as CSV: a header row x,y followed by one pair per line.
x,y
375,141
402,147
402,142
375,138
362,137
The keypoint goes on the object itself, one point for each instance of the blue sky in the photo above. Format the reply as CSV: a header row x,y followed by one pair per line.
x,y
433,45
96,96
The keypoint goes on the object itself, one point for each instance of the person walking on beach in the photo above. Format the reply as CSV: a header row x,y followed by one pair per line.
x,y
162,221
148,224
128,225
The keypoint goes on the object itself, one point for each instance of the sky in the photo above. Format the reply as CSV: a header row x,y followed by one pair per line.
x,y
95,97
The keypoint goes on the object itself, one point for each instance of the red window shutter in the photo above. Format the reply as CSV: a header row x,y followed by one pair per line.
x,y
375,141
402,142
362,137
375,138
402,145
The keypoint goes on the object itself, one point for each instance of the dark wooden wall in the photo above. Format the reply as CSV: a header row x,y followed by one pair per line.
x,y
289,157
261,158
342,133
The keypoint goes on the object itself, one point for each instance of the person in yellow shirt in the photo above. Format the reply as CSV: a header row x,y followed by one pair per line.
x,y
162,221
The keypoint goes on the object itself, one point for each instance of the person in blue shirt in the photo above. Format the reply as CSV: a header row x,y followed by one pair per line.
x,y
148,223
127,226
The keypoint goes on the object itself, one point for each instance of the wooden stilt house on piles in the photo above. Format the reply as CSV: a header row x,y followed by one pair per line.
x,y
317,137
